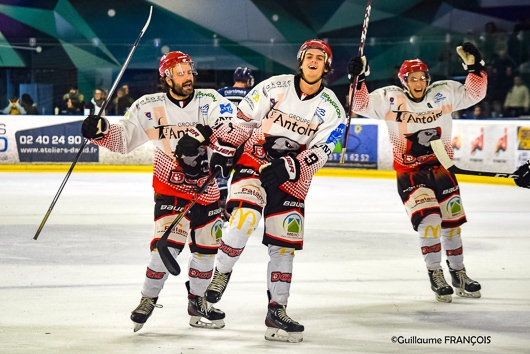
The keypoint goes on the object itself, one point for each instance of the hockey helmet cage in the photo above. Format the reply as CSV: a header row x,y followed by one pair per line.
x,y
243,74
317,44
410,66
172,59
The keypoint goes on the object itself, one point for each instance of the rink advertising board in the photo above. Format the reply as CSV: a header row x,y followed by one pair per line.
x,y
361,151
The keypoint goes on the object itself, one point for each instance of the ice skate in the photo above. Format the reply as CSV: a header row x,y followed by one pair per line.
x,y
464,285
203,315
441,289
281,327
217,286
140,314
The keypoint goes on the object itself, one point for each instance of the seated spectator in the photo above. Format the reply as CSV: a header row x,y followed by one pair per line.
x,y
517,100
29,105
477,112
97,101
14,107
71,108
78,99
121,104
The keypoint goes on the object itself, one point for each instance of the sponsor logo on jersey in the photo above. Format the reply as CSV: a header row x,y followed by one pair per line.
x,y
204,109
276,84
292,122
251,189
438,97
411,188
259,151
424,198
336,135
425,118
148,115
292,224
177,229
195,273
150,99
431,249
450,190
456,252
254,95
201,94
240,115
170,207
294,204
215,211
242,217
279,276
320,113
326,97
226,108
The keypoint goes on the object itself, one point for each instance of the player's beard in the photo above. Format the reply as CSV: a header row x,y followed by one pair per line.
x,y
183,90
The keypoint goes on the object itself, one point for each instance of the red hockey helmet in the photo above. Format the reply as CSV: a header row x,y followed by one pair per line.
x,y
410,66
172,59
317,44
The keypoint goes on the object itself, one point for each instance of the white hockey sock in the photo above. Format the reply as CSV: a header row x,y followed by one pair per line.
x,y
279,272
200,272
429,231
156,274
452,243
241,225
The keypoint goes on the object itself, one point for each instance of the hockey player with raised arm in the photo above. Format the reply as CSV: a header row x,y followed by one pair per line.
x,y
178,123
415,114
298,122
243,82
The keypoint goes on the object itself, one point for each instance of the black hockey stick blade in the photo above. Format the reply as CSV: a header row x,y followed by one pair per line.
x,y
162,245
85,142
442,156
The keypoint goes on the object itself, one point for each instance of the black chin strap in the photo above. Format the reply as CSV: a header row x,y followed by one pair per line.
x,y
311,83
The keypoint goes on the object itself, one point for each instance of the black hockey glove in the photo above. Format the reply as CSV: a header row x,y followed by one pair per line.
x,y
358,66
189,144
94,127
472,60
222,158
279,171
524,175
195,167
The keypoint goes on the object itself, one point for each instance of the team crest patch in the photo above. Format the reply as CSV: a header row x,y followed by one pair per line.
x,y
259,151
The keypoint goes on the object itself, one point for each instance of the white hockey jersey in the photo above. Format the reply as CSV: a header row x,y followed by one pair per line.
x,y
411,125
307,127
163,120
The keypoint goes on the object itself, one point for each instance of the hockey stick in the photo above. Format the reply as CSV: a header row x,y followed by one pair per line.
x,y
103,106
440,152
353,86
170,262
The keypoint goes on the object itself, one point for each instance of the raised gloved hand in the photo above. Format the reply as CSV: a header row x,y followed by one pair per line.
x,y
524,175
358,66
222,158
196,166
279,171
189,144
94,127
472,60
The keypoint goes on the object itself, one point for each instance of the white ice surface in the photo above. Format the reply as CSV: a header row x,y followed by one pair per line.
x,y
359,281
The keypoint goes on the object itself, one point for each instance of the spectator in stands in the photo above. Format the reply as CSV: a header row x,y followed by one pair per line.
x,y
477,112
77,98
517,100
72,108
97,101
29,105
14,107
122,102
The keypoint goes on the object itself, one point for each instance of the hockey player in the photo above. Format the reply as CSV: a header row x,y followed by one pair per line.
x,y
178,122
298,122
416,114
243,82
524,175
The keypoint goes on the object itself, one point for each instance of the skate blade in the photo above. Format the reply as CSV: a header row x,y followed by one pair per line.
x,y
463,293
201,322
278,335
443,298
137,326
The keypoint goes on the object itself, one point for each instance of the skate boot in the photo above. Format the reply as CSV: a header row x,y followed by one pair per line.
x,y
203,316
217,286
140,314
464,285
441,289
276,320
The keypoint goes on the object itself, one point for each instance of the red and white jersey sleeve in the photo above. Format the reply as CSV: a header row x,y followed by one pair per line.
x,y
411,125
313,126
162,121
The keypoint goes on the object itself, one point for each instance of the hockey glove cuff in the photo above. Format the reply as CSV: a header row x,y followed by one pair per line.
x,y
222,158
189,144
94,127
358,67
471,58
279,171
524,175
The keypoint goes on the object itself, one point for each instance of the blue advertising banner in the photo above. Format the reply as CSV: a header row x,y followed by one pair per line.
x,y
361,151
54,143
